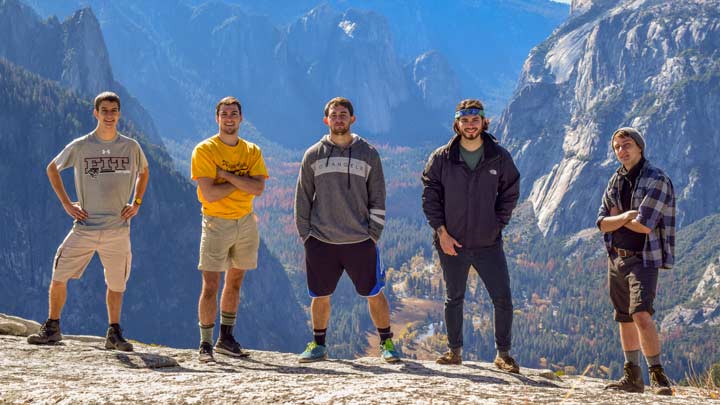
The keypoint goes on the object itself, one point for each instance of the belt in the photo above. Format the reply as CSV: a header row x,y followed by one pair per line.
x,y
625,253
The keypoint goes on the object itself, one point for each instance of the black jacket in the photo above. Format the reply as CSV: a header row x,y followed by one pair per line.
x,y
474,205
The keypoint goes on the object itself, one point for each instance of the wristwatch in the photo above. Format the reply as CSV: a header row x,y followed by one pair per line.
x,y
137,201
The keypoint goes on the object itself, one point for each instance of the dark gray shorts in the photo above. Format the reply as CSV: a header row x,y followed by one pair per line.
x,y
632,286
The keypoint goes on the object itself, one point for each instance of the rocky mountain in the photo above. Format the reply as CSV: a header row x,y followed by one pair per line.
x,y
50,49
79,370
181,56
654,65
38,118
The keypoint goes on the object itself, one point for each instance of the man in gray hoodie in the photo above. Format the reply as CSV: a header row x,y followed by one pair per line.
x,y
340,214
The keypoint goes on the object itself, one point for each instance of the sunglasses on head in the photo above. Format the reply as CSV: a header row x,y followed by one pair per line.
x,y
469,111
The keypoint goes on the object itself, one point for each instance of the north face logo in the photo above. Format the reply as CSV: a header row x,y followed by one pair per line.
x,y
493,172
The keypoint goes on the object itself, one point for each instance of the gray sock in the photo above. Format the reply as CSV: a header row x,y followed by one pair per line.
x,y
653,360
206,333
503,354
633,357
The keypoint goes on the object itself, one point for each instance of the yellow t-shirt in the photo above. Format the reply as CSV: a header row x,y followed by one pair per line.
x,y
245,158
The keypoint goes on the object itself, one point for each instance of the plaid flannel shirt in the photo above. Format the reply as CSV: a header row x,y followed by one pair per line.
x,y
654,199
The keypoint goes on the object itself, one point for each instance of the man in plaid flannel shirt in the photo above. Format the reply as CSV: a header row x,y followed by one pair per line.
x,y
637,218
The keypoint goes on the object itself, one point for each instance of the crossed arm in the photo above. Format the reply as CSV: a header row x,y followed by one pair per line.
x,y
617,220
212,192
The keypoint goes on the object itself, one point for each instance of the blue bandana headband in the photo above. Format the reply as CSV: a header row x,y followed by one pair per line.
x,y
469,111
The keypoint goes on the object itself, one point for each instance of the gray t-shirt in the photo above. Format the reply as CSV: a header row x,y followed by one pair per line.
x,y
105,173
472,158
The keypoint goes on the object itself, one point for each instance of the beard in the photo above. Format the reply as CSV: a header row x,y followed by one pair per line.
x,y
470,137
338,130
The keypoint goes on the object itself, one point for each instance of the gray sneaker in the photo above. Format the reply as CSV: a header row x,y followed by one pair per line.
x,y
114,339
49,333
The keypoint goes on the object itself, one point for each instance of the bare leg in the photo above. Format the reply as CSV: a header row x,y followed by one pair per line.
x,y
113,299
629,336
58,294
320,311
649,339
379,310
207,306
230,298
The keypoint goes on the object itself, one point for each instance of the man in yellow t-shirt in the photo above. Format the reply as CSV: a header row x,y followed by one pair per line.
x,y
229,172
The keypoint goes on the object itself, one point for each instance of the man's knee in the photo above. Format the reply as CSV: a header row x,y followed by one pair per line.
x,y
643,319
234,279
58,284
211,283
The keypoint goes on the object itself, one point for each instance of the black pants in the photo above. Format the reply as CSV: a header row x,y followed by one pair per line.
x,y
492,268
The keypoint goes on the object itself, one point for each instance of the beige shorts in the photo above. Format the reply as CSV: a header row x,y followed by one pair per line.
x,y
229,243
79,246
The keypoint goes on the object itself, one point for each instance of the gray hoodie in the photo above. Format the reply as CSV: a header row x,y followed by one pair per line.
x,y
340,194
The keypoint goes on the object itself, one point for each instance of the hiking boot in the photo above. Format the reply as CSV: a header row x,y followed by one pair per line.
x,y
659,381
49,333
388,352
114,339
507,363
313,352
451,357
631,381
228,346
206,353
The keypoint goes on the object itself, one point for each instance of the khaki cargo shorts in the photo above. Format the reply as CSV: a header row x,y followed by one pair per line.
x,y
79,246
229,243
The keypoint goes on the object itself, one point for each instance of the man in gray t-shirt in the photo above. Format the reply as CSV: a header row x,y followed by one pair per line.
x,y
107,166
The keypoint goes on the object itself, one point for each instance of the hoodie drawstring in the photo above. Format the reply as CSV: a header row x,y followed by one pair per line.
x,y
349,161
327,161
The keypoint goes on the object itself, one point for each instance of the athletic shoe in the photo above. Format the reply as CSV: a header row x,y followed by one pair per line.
x,y
115,340
450,357
631,380
507,363
206,353
49,333
388,352
313,352
230,347
659,381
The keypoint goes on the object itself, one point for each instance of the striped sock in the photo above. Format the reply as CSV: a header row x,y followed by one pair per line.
x,y
227,323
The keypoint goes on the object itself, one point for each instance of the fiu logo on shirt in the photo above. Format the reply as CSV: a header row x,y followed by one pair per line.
x,y
238,169
95,166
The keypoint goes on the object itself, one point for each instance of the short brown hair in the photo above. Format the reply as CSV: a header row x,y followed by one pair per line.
x,y
341,101
470,103
106,96
229,100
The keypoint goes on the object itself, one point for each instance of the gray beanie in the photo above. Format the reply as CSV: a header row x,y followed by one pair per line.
x,y
632,133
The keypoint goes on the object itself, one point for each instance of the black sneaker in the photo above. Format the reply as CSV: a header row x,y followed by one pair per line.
x,y
631,380
659,381
228,346
49,333
206,353
114,339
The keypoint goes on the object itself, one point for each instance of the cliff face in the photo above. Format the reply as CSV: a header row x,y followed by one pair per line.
x,y
79,370
652,65
71,52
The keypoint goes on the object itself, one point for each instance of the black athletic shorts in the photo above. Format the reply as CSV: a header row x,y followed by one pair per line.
x,y
632,286
325,263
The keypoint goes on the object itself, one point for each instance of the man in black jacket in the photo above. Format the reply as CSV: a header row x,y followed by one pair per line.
x,y
471,186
